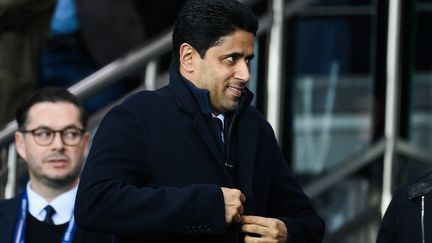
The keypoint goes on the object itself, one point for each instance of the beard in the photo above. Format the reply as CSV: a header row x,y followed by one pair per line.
x,y
61,182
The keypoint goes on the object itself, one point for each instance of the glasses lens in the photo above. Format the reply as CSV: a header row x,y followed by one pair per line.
x,y
43,136
71,136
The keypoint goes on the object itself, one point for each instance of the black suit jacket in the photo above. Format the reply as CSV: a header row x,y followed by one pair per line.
x,y
155,170
8,216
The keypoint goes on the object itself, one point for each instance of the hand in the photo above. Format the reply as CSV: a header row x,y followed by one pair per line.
x,y
267,229
233,200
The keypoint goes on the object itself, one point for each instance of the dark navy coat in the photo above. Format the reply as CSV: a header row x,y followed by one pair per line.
x,y
9,210
8,217
155,170
408,218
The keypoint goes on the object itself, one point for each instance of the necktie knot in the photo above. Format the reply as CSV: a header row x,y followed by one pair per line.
x,y
50,211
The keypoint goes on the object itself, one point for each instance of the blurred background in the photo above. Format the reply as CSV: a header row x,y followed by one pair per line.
x,y
346,85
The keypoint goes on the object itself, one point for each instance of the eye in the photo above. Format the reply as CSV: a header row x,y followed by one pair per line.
x,y
43,133
71,133
230,60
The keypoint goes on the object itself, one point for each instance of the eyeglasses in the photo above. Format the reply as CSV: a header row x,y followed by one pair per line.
x,y
45,136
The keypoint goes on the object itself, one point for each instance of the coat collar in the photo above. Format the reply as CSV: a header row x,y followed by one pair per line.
x,y
185,99
188,103
182,94
421,187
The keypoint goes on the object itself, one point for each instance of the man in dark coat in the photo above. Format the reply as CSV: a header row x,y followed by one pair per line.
x,y
408,217
53,142
161,169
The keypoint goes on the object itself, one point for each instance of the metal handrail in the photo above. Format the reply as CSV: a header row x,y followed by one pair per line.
x,y
365,217
107,75
351,165
413,152
134,60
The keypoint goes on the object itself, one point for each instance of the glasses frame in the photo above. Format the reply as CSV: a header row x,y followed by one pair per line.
x,y
61,132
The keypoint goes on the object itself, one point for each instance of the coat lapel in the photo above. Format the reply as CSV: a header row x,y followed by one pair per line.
x,y
208,139
186,103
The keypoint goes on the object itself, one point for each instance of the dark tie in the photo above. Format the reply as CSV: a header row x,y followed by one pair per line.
x,y
49,213
219,128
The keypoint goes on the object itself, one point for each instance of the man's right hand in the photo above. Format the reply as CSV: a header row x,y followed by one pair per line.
x,y
234,200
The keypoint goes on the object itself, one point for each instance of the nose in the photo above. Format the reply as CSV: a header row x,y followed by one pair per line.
x,y
242,73
57,142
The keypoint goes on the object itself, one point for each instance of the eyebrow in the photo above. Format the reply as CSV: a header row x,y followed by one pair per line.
x,y
236,55
64,128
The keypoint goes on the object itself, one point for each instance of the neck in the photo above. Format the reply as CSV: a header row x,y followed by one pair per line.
x,y
48,192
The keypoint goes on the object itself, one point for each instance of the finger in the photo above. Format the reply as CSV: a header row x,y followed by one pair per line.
x,y
251,228
260,230
242,198
240,210
267,222
258,239
237,218
251,239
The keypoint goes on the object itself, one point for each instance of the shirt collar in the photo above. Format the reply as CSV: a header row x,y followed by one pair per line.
x,y
63,205
220,117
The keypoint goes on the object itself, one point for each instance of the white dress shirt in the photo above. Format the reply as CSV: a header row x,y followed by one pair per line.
x,y
63,205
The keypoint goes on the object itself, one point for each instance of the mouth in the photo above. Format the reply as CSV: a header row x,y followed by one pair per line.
x,y
235,91
57,162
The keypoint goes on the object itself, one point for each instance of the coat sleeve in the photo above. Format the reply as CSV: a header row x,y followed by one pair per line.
x,y
289,203
114,195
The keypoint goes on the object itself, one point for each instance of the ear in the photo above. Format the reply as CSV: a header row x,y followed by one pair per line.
x,y
86,139
20,145
186,56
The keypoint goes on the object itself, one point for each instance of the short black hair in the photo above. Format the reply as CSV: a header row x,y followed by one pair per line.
x,y
49,94
201,24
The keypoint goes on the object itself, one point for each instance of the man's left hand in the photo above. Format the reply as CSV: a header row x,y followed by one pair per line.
x,y
261,229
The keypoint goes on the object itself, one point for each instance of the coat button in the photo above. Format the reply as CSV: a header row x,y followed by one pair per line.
x,y
207,228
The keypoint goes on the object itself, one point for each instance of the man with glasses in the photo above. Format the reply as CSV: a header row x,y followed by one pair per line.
x,y
52,140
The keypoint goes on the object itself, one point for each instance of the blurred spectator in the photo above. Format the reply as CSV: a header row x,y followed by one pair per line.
x,y
70,53
83,37
23,28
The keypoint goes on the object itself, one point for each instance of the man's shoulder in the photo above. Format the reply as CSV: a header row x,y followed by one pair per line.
x,y
251,113
8,213
9,203
9,206
413,190
148,97
420,187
